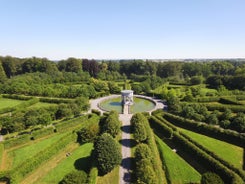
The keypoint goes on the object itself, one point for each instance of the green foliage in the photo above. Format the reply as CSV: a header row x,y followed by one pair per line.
x,y
145,173
196,80
238,123
42,132
95,111
111,125
210,177
88,133
78,177
107,153
138,122
16,141
93,173
142,151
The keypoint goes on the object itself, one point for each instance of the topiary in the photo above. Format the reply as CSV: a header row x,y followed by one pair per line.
x,y
78,177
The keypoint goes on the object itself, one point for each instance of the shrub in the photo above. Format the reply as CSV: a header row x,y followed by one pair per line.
x,y
210,177
16,141
88,133
107,153
142,151
42,132
138,122
78,177
95,111
111,124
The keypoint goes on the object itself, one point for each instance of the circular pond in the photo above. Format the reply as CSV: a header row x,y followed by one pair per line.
x,y
140,105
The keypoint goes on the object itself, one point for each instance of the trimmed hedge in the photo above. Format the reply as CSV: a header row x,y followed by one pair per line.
x,y
70,124
209,130
55,100
204,158
17,97
16,141
20,171
230,100
92,175
95,111
222,107
42,132
208,99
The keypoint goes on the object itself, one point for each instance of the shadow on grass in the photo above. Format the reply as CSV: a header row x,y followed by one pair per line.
x,y
130,143
83,163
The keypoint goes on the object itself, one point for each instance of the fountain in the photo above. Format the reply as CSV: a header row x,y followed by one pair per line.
x,y
132,103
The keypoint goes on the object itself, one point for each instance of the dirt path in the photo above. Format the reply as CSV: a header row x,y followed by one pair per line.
x,y
49,165
125,168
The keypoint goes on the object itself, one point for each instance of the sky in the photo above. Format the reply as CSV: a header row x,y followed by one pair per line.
x,y
123,29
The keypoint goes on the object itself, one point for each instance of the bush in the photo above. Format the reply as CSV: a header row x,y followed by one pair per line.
x,y
111,124
93,173
145,173
142,151
107,153
138,122
75,177
210,177
88,133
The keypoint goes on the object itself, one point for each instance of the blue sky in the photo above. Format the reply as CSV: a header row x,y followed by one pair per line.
x,y
123,29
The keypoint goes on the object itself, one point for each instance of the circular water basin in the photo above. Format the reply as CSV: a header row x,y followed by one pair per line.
x,y
140,105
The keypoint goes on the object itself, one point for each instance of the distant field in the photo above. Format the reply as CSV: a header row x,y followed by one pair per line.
x,y
78,160
231,153
17,156
5,102
178,169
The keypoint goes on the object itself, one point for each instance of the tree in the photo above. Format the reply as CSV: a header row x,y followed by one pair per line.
x,y
107,153
138,122
112,124
75,177
3,76
88,133
209,177
238,123
196,80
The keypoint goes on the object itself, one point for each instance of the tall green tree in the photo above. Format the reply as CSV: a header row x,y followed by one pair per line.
x,y
3,76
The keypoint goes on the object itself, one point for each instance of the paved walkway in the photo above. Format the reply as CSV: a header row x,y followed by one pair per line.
x,y
125,167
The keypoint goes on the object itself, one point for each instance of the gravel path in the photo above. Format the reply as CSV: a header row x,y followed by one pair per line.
x,y
125,168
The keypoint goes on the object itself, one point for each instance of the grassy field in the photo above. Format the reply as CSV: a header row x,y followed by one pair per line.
x,y
17,156
178,170
78,160
5,102
231,153
110,178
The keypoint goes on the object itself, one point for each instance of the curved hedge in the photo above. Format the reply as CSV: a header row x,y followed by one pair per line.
x,y
204,158
209,130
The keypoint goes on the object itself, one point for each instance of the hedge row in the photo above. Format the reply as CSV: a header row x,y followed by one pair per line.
x,y
225,163
204,158
55,100
21,139
208,99
42,132
157,164
209,130
222,107
20,171
231,101
93,173
17,97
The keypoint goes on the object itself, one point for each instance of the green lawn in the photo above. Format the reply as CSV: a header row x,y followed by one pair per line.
x,y
5,102
21,154
179,170
229,152
79,159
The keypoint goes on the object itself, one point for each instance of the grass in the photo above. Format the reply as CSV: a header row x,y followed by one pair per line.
x,y
110,178
230,153
17,156
5,102
78,160
178,170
